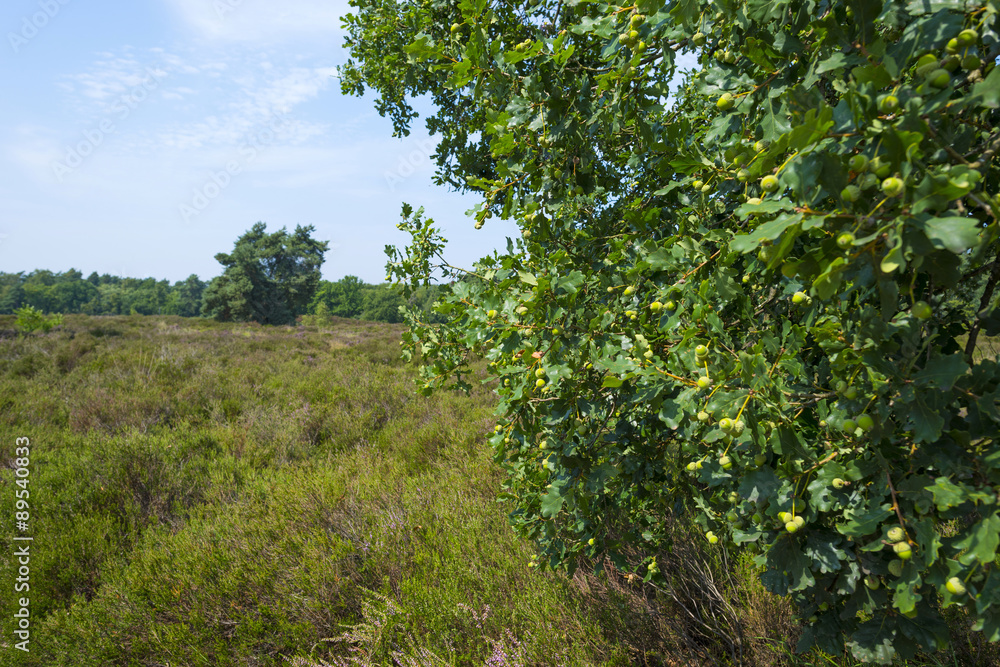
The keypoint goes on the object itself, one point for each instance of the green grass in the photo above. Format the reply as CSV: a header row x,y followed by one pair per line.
x,y
218,494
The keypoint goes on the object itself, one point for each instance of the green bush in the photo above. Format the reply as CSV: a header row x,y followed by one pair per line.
x,y
30,319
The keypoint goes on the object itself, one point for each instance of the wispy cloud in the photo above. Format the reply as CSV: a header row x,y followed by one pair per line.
x,y
181,66
251,106
111,79
195,108
298,85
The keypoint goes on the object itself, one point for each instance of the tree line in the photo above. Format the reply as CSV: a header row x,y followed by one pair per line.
x,y
268,278
69,292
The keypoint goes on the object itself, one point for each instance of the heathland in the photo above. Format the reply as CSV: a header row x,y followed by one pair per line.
x,y
207,493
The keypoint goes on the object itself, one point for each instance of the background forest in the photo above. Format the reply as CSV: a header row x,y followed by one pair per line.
x,y
70,292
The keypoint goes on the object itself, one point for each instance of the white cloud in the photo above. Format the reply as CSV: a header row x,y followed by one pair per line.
x,y
177,64
261,20
235,131
111,78
258,108
178,93
297,86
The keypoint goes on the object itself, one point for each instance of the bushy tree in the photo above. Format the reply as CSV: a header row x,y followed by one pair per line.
x,y
343,298
11,292
37,287
111,300
185,298
55,292
382,304
733,303
353,298
69,296
268,278
30,319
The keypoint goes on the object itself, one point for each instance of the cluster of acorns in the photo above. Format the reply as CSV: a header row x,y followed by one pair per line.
x,y
630,37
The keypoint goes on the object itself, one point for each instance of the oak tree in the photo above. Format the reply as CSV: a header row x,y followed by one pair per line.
x,y
752,300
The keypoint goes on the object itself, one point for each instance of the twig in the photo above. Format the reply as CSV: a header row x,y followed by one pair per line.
x,y
682,278
895,505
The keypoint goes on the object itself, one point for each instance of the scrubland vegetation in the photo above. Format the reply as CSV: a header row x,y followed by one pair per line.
x,y
232,494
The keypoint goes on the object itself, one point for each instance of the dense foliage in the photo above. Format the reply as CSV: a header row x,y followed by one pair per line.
x,y
755,304
352,298
268,278
70,292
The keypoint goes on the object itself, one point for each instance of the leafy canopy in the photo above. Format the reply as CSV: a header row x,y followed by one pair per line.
x,y
268,278
752,300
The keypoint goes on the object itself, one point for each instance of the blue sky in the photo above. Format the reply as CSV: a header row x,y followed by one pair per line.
x,y
140,139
